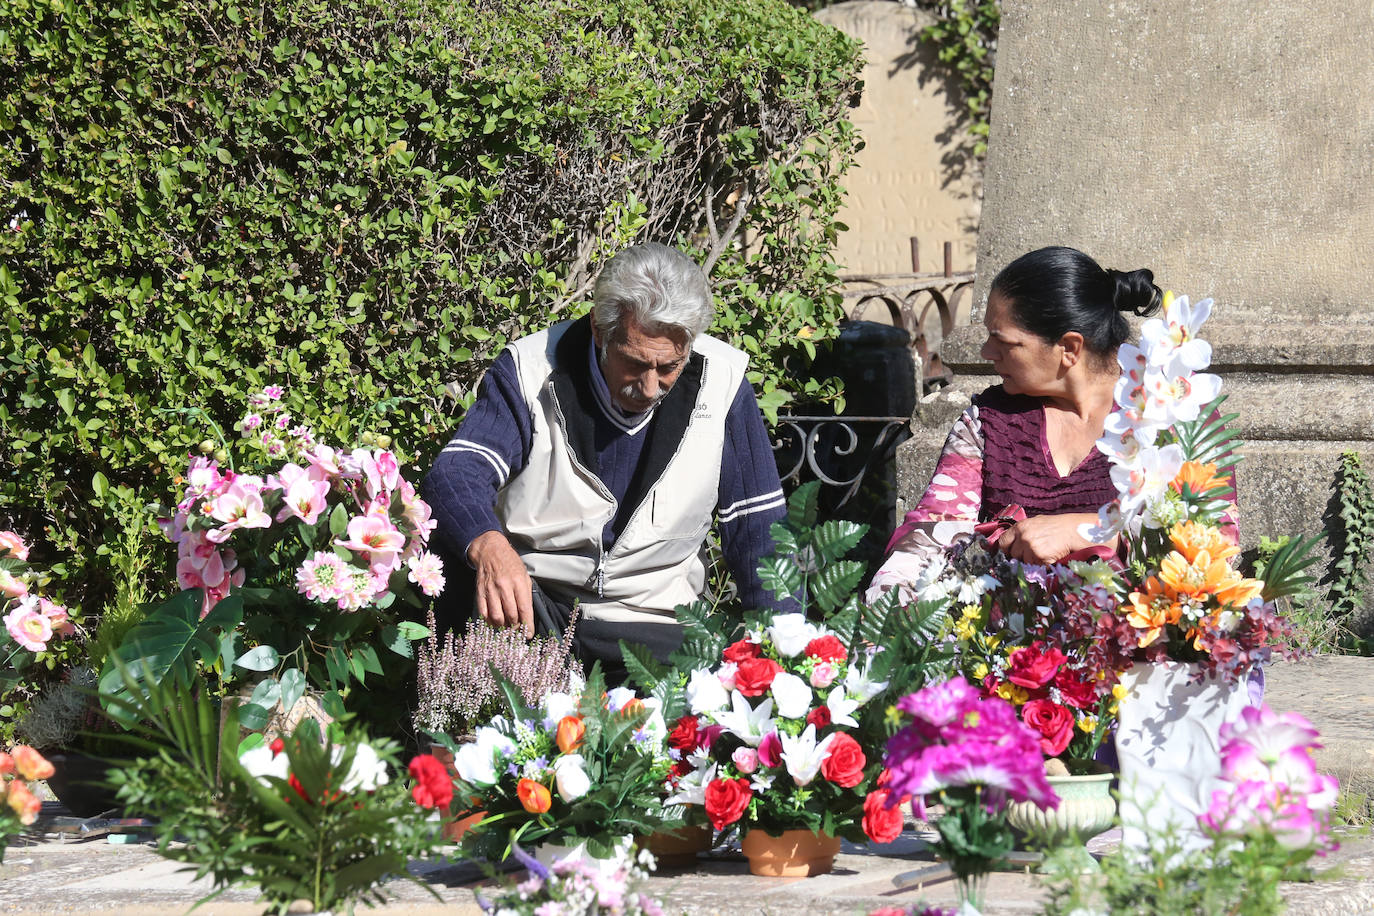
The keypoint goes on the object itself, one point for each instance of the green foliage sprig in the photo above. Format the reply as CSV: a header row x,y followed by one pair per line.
x,y
366,201
304,833
965,35
1350,571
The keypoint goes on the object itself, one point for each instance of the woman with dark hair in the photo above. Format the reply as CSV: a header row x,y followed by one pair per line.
x,y
1054,319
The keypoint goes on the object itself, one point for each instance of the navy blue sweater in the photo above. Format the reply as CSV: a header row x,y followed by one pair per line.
x,y
492,444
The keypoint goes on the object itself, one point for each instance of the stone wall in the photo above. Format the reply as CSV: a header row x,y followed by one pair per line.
x,y
1228,146
909,179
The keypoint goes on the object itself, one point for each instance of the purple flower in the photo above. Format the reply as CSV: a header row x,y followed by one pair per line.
x,y
530,862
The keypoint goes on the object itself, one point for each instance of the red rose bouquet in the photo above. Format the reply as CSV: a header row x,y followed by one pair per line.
x,y
771,739
1045,639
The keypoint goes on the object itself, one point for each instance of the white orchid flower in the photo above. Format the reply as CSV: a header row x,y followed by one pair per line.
x,y
746,723
792,694
759,782
705,693
858,684
1111,521
1176,335
842,706
790,634
691,788
1155,469
802,755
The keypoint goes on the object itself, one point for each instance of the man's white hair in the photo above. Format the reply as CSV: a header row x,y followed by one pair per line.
x,y
659,288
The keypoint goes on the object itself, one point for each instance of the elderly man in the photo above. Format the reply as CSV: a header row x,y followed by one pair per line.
x,y
594,458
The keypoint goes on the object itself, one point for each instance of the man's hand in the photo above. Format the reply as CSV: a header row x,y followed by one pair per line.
x,y
1045,539
504,590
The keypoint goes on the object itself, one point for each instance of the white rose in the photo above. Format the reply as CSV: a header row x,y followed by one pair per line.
x,y
790,634
705,693
792,694
569,777
476,762
556,706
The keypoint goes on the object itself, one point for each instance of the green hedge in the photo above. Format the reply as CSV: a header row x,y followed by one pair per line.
x,y
363,200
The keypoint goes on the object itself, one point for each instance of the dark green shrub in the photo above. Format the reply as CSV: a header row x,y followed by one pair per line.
x,y
363,200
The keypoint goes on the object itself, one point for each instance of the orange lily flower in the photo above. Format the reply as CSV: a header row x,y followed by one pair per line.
x,y
1238,590
1200,478
1191,538
1199,579
1152,610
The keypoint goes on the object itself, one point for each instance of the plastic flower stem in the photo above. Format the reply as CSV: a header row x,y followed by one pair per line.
x,y
1100,729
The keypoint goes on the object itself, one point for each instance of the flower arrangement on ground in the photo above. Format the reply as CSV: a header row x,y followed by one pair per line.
x,y
1041,638
574,885
584,767
306,816
971,755
40,639
290,569
779,751
21,766
779,718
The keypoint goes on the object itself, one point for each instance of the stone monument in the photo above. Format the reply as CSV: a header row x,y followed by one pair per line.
x,y
1229,148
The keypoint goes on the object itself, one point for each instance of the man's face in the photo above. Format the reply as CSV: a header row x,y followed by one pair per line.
x,y
639,368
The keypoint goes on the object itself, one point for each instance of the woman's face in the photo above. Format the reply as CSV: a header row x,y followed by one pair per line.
x,y
1026,363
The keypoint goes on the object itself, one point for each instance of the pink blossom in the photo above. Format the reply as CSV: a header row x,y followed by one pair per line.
x,y
375,537
824,674
322,577
770,750
746,759
380,471
239,506
203,476
426,571
726,673
11,586
273,392
323,463
29,627
250,422
1269,746
14,545
304,498
58,617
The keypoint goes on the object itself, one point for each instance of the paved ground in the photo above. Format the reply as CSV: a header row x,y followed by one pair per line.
x,y
50,876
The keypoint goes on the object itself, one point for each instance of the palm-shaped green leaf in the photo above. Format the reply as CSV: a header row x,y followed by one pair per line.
x,y
1284,573
169,645
1208,439
833,539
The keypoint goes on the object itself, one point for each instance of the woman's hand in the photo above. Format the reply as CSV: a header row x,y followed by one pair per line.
x,y
1046,539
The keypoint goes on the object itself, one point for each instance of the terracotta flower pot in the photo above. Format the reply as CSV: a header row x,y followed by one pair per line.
x,y
795,854
679,848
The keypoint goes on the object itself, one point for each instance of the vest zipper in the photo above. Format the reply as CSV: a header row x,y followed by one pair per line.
x,y
597,579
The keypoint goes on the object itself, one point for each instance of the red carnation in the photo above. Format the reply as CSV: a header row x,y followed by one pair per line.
x,y
755,675
881,823
845,765
1034,666
726,800
684,735
819,717
742,651
1053,722
827,649
433,786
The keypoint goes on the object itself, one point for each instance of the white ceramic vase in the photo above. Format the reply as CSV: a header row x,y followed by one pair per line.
x,y
549,853
1169,746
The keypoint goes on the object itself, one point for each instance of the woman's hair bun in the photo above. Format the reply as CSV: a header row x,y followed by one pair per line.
x,y
1135,291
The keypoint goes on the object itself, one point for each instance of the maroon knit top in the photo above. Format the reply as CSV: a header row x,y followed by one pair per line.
x,y
1018,467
